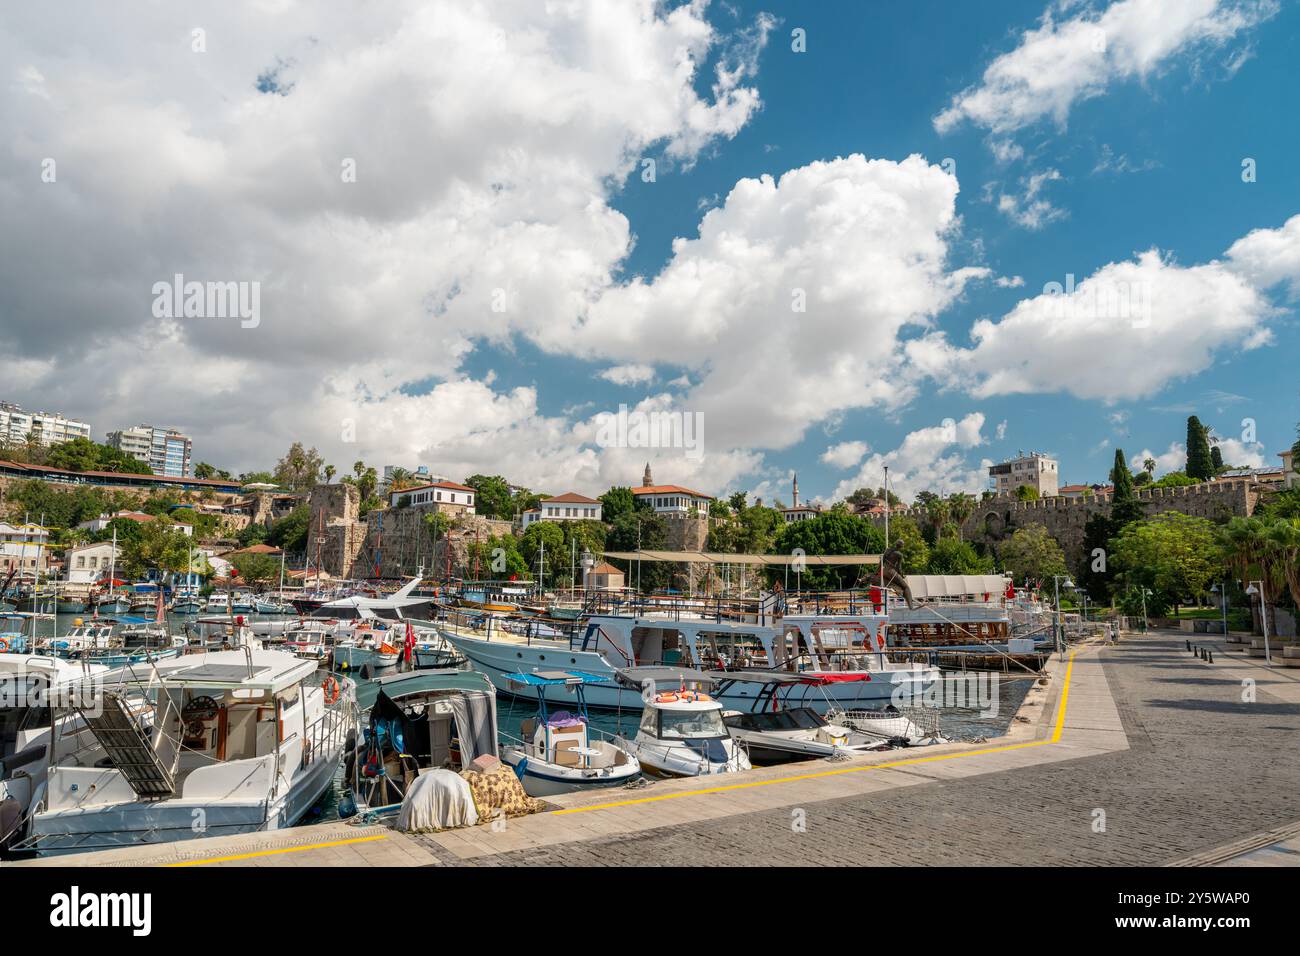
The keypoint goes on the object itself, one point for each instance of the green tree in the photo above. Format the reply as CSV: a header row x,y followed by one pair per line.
x,y
830,533
616,503
1175,555
82,454
954,556
1216,460
1124,503
153,546
960,507
299,469
907,537
290,533
1032,554
1200,466
256,571
492,498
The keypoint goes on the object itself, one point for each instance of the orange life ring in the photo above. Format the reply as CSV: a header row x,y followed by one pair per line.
x,y
4,644
667,698
332,691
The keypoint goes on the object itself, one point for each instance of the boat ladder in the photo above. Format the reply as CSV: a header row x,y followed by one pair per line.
x,y
129,747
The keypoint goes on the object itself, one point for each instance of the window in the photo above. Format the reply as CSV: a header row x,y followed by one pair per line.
x,y
81,560
691,724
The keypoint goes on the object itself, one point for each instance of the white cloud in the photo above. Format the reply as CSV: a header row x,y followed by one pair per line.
x,y
1030,209
864,243
846,454
628,374
1001,431
487,141
932,458
1123,333
1065,61
1269,257
1174,458
1009,282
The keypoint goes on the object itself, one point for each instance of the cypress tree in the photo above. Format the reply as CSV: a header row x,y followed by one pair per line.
x,y
1124,505
1216,459
1199,464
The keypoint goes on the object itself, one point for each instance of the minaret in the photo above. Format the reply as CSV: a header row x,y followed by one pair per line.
x,y
647,479
795,492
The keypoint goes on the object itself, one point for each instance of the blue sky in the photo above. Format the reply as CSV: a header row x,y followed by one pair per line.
x,y
871,81
518,166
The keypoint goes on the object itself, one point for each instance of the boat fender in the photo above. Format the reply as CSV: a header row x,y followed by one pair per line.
x,y
521,768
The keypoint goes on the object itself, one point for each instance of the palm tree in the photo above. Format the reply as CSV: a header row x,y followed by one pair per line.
x,y
936,511
960,507
1149,465
1248,546
329,473
1283,547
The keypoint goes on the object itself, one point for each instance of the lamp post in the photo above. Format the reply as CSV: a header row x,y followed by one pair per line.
x,y
1146,624
1221,589
1056,584
1263,616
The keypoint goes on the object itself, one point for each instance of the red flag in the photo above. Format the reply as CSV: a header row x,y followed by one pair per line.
x,y
410,641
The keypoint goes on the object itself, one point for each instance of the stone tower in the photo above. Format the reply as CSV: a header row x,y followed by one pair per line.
x,y
647,479
795,492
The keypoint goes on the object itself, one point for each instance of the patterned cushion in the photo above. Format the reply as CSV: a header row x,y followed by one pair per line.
x,y
499,792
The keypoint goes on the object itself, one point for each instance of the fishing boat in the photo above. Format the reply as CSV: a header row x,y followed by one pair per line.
x,y
421,721
681,732
558,750
186,603
113,604
231,742
13,642
70,604
29,717
269,606
218,603
241,602
80,639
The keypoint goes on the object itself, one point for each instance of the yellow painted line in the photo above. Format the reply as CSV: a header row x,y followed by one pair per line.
x,y
912,761
287,849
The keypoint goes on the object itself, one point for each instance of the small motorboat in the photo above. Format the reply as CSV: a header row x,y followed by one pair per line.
x,y
218,603
242,603
268,606
681,733
559,752
72,605
114,604
902,727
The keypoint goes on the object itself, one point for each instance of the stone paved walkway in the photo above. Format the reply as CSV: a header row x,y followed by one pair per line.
x,y
1202,768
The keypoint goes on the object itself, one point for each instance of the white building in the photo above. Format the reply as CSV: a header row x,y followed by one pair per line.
x,y
87,563
1289,476
796,511
166,451
670,499
567,507
96,525
50,428
439,495
1035,471
21,546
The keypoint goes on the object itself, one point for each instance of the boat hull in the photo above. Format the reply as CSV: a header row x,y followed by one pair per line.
x,y
547,780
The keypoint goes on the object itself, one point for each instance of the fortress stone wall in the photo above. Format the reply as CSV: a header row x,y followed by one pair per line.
x,y
1064,518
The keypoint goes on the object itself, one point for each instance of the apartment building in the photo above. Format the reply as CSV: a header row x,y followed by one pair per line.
x,y
1035,470
50,428
166,451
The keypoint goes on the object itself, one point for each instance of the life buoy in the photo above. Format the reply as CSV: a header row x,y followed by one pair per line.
x,y
880,637
667,698
4,644
332,692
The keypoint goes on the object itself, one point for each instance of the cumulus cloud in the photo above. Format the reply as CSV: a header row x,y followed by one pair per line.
x,y
404,187
846,454
1269,257
930,458
1125,332
1067,60
849,252
1031,209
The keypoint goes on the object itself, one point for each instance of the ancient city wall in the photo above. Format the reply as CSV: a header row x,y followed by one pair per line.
x,y
1064,518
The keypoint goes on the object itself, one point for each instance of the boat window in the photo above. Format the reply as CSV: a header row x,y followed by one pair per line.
x,y
691,724
649,722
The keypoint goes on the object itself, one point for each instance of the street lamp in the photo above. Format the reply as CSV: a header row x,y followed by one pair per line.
x,y
1056,584
1263,615
1222,590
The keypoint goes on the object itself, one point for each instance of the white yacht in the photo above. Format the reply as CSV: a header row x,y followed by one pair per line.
x,y
218,603
30,685
230,742
681,733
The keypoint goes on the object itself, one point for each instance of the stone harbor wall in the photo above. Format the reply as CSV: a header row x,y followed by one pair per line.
x,y
336,533
399,542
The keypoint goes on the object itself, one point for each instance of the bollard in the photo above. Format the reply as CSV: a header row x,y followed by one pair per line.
x,y
1189,645
1211,656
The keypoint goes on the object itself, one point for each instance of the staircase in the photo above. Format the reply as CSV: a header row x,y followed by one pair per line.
x,y
130,749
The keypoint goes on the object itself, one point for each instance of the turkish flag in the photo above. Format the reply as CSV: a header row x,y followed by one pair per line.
x,y
410,641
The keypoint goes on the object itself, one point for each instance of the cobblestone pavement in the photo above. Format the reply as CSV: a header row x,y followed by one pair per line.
x,y
1203,769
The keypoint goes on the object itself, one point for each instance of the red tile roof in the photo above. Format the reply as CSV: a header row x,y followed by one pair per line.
x,y
570,498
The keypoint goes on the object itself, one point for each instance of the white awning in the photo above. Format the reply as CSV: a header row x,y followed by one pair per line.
x,y
956,585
